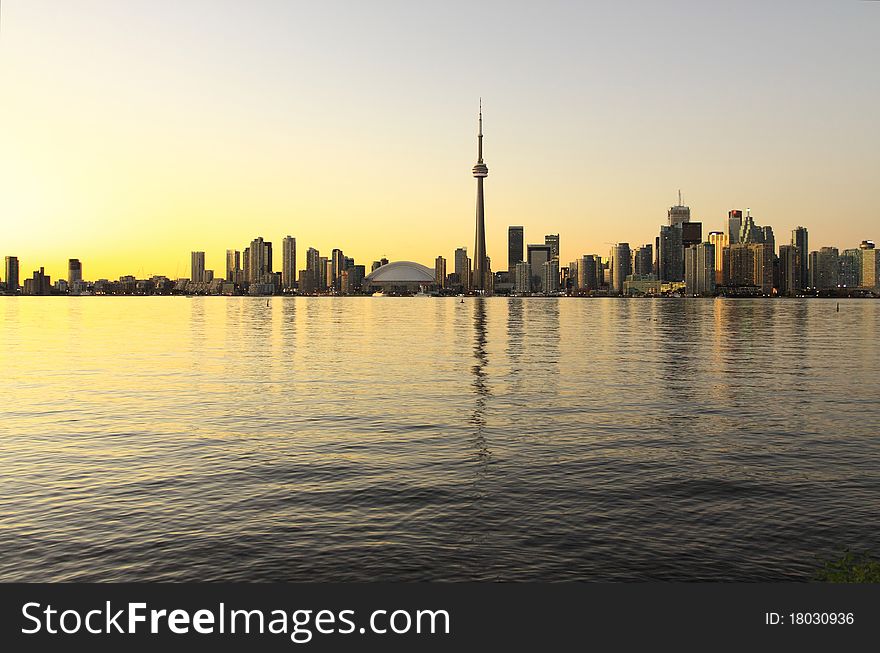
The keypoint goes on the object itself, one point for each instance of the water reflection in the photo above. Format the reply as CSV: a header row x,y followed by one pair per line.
x,y
480,382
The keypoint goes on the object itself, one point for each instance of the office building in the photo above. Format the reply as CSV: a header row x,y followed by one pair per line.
x,y
537,255
12,275
552,240
621,264
734,225
74,272
39,284
233,266
799,239
790,283
670,254
588,273
678,214
643,261
749,266
515,244
719,240
197,267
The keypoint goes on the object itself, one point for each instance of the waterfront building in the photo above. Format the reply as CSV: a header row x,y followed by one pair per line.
x,y
536,256
621,265
550,277
642,284
749,265
870,277
552,240
670,254
12,275
463,268
233,266
74,272
515,245
734,225
720,240
850,268
789,270
260,261
401,277
39,284
588,273
644,260
523,280
440,272
288,263
800,240
699,269
197,267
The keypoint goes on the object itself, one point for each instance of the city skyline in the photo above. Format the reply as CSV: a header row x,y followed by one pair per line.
x,y
130,162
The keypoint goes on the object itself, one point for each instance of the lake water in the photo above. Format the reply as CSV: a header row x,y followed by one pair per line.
x,y
316,439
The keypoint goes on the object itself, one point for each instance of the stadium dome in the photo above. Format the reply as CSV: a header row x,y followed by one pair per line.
x,y
401,278
402,272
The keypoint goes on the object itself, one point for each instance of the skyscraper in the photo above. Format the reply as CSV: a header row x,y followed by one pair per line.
x,y
537,255
588,273
463,268
233,266
440,272
288,263
678,213
514,249
337,266
734,224
670,254
74,271
550,276
11,274
523,279
553,241
799,239
481,171
644,260
870,277
699,269
621,265
260,260
197,266
789,270
720,241
850,270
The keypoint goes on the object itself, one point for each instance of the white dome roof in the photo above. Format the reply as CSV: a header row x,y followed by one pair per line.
x,y
402,272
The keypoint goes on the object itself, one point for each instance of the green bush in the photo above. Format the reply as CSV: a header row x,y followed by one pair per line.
x,y
850,568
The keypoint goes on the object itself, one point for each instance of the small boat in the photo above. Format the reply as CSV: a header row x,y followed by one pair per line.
x,y
378,293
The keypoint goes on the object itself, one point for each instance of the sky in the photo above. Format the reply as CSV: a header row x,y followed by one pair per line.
x,y
135,132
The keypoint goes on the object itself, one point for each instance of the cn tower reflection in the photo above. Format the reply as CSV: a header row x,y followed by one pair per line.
x,y
480,383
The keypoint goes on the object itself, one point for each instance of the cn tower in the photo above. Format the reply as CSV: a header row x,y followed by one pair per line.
x,y
480,171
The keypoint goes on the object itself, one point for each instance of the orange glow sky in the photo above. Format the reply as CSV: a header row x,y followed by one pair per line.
x,y
134,132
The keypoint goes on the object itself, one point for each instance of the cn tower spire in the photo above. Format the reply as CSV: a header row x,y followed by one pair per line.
x,y
480,135
480,171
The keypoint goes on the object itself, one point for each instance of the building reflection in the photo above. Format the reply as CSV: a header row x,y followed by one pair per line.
x,y
480,382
